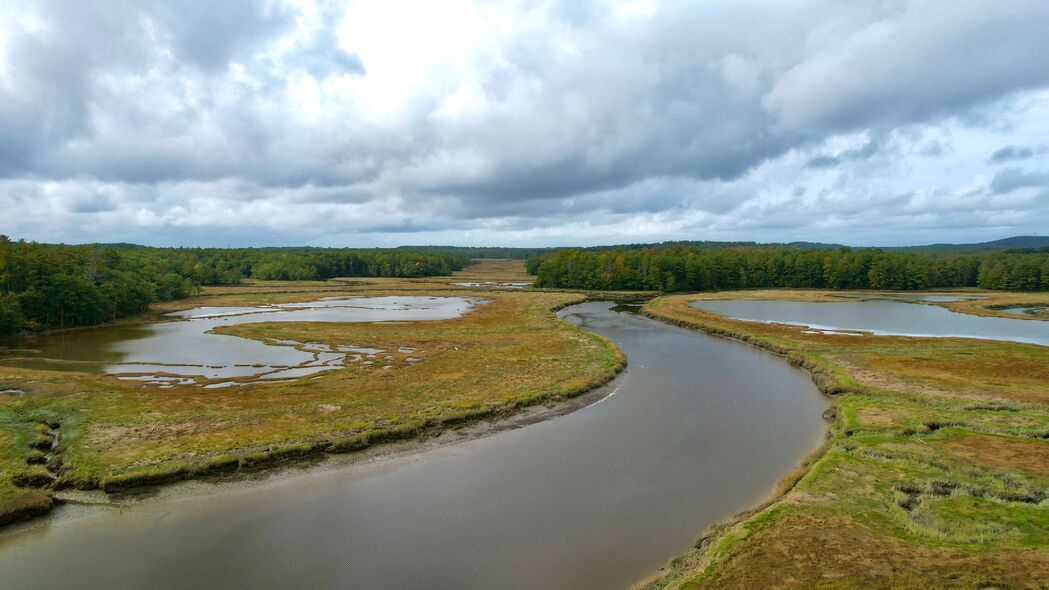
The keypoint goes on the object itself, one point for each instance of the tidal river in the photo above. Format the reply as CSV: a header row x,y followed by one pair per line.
x,y
697,429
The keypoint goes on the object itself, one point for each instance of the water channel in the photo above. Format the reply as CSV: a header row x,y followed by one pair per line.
x,y
697,429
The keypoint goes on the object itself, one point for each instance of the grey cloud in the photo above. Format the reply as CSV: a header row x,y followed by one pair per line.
x,y
1012,152
823,162
916,61
1011,179
866,151
210,34
95,203
933,149
191,115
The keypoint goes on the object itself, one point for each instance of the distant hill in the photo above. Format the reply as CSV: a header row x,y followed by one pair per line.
x,y
522,253
118,245
1015,243
483,251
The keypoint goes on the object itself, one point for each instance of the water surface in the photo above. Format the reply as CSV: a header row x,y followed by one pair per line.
x,y
882,317
188,351
1034,310
495,284
698,429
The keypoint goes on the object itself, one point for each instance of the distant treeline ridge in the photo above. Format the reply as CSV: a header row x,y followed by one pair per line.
x,y
48,285
1015,244
693,269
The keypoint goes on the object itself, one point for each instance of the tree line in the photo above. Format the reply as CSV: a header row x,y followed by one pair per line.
x,y
52,286
693,269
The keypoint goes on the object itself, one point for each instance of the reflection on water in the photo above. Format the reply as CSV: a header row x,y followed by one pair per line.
x,y
699,429
882,317
181,352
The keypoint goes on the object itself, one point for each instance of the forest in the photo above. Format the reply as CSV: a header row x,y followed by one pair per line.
x,y
693,269
53,286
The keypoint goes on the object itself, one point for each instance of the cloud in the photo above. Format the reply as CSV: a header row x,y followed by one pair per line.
x,y
1011,179
864,152
909,61
823,162
366,121
1012,152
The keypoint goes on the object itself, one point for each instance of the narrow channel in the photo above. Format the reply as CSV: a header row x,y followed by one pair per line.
x,y
698,429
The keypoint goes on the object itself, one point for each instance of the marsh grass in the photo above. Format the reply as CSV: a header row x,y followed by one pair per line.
x,y
935,473
506,354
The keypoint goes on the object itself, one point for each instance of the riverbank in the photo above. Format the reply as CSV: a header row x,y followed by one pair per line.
x,y
698,429
210,485
933,475
102,433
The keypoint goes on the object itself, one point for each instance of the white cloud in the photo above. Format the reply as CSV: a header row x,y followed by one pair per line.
x,y
498,121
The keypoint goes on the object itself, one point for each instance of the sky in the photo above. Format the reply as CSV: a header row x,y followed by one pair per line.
x,y
392,122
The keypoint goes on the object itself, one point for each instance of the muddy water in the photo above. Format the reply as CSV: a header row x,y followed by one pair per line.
x,y
189,351
698,429
881,317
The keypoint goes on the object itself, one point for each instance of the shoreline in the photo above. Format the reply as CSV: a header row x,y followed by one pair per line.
x,y
251,467
825,383
382,459
377,454
726,546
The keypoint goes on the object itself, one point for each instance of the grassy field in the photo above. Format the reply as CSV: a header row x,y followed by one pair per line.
x,y
89,431
935,473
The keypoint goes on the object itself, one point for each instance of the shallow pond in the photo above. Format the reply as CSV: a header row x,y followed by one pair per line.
x,y
1027,310
495,284
880,316
911,297
697,429
187,351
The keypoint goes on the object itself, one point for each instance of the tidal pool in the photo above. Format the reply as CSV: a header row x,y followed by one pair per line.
x,y
188,351
697,429
910,297
880,317
1027,310
495,284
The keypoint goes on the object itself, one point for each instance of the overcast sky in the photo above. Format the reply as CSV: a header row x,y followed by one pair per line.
x,y
382,122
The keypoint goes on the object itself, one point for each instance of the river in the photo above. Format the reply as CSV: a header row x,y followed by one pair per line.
x,y
698,428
